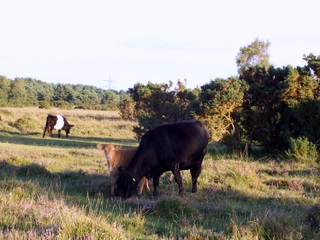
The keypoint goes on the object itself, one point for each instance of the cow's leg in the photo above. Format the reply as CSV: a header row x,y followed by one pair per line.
x,y
59,131
66,133
178,178
195,172
155,185
44,132
51,130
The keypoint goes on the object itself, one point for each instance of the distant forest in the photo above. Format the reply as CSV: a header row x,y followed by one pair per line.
x,y
25,92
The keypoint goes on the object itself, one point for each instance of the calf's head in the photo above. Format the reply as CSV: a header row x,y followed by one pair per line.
x,y
126,185
108,149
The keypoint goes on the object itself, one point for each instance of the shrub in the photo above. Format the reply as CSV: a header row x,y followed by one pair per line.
x,y
44,105
25,124
302,150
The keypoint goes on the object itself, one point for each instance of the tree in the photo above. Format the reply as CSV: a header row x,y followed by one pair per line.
x,y
262,107
5,84
298,85
156,104
18,93
220,104
314,64
255,54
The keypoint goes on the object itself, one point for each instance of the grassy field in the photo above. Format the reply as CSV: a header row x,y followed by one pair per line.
x,y
54,188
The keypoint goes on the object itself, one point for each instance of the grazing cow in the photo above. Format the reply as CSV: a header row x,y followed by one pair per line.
x,y
169,147
56,122
117,160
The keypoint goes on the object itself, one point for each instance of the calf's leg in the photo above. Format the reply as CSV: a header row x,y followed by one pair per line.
x,y
143,183
112,184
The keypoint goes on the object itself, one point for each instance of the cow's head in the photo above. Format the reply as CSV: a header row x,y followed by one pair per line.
x,y
126,184
68,127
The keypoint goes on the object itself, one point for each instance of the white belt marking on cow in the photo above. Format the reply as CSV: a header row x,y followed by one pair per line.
x,y
60,123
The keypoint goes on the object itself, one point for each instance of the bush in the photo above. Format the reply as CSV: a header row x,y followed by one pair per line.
x,y
302,150
44,105
25,124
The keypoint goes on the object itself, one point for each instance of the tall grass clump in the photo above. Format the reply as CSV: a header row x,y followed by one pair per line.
x,y
25,124
173,208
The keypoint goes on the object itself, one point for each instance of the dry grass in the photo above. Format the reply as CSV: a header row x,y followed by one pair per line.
x,y
58,189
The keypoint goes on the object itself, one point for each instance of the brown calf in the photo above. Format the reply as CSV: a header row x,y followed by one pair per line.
x,y
117,159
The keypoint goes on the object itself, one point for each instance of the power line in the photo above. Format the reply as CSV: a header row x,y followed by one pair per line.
x,y
110,81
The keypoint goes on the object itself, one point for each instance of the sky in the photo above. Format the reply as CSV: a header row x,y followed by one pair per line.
x,y
116,44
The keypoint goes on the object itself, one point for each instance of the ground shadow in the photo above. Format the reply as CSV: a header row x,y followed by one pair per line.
x,y
31,139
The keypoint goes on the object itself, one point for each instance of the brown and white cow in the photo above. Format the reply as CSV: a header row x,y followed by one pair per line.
x,y
57,122
117,160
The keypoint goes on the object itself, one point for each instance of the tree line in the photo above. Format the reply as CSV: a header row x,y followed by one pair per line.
x,y
23,92
274,107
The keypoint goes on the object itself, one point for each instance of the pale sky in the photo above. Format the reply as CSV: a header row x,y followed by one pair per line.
x,y
131,41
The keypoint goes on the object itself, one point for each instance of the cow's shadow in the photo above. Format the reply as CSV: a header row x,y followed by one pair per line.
x,y
35,139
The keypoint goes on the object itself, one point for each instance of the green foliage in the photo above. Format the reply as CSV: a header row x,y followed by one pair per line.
x,y
24,92
262,106
44,104
18,93
5,85
127,108
302,150
156,104
25,123
254,55
298,86
314,63
220,105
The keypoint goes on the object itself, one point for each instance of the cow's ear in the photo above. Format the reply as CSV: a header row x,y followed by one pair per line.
x,y
118,147
99,146
71,126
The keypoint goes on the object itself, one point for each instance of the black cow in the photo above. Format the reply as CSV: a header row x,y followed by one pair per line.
x,y
56,122
169,147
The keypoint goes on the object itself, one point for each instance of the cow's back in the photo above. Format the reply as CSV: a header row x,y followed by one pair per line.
x,y
164,146
175,142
